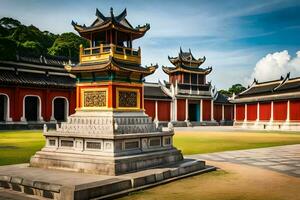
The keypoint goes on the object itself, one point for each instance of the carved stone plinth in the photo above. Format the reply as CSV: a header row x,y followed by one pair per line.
x,y
108,143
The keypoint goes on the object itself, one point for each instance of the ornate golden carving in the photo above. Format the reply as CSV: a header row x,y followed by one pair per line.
x,y
128,99
95,99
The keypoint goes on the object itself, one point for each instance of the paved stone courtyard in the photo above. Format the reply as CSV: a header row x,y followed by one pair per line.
x,y
283,159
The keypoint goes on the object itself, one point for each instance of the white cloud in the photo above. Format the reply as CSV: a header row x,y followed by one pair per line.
x,y
274,65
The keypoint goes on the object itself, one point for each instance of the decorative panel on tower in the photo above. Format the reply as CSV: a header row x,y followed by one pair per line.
x,y
94,98
128,98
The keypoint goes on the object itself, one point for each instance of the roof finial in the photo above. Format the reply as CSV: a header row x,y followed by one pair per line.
x,y
111,11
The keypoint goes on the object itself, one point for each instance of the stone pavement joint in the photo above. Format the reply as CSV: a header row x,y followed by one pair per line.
x,y
283,159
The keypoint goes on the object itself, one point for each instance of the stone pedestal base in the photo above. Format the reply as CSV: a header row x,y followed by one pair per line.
x,y
65,185
95,164
107,143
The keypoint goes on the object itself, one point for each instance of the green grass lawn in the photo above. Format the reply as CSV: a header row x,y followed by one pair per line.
x,y
208,142
18,146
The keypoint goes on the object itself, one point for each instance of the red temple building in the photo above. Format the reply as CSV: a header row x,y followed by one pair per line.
x,y
34,91
187,99
269,105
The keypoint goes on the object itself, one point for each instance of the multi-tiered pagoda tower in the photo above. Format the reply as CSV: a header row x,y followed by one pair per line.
x,y
192,95
109,133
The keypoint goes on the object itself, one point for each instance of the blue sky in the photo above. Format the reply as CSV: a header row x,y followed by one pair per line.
x,y
233,35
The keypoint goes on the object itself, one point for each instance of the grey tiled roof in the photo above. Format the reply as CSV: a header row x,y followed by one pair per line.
x,y
34,79
154,91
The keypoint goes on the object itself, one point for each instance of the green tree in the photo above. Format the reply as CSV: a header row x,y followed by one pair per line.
x,y
8,25
35,48
43,40
236,88
67,44
225,92
8,49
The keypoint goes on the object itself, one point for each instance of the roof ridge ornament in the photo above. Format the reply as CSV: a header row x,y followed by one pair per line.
x,y
112,12
122,15
255,81
100,15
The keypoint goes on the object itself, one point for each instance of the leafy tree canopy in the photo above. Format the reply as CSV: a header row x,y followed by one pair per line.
x,y
8,49
225,92
67,44
16,37
234,89
7,26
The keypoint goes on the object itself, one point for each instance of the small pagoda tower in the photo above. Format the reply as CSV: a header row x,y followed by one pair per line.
x,y
110,74
192,95
110,132
187,69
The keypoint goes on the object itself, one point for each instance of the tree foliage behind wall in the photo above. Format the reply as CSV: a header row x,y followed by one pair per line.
x,y
67,44
18,38
234,89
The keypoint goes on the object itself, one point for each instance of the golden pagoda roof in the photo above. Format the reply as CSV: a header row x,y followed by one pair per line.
x,y
112,64
186,62
118,22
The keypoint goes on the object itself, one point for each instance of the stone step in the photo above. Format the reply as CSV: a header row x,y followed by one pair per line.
x,y
56,184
